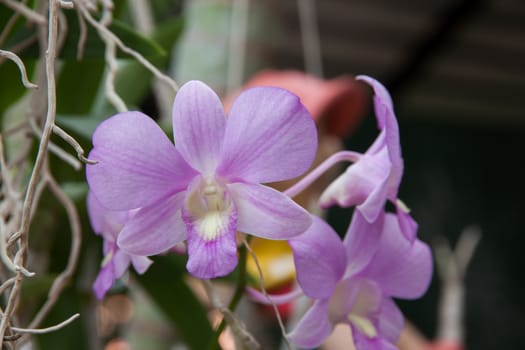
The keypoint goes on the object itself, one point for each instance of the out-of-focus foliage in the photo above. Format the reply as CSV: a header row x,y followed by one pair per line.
x,y
81,106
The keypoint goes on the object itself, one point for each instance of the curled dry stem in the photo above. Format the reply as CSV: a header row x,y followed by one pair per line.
x,y
23,73
237,327
76,238
74,143
83,34
106,33
110,55
25,11
47,329
68,5
39,162
59,152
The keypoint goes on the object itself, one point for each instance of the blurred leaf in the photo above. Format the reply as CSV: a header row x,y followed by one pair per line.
x,y
167,33
133,80
36,287
95,48
82,125
164,282
75,190
136,40
77,85
11,84
74,335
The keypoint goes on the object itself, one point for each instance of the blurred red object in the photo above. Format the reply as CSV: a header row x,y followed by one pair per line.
x,y
444,345
338,104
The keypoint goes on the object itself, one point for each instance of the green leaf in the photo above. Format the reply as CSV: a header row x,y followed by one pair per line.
x,y
36,287
95,47
11,83
82,125
133,80
77,85
166,34
136,40
75,190
164,282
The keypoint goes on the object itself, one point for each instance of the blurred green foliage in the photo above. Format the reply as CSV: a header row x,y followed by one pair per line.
x,y
81,106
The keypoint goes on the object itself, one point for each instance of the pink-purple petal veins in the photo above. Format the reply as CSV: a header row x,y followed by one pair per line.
x,y
210,217
199,123
270,136
137,163
265,212
154,229
361,242
210,258
391,320
314,327
403,269
319,259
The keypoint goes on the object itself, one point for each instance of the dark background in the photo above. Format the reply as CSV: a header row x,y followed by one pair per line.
x,y
456,70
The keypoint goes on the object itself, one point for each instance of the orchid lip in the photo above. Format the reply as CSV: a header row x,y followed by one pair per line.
x,y
363,324
209,204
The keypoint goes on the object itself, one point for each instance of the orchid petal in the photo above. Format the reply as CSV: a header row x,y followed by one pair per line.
x,y
368,298
362,184
342,300
386,119
270,136
154,229
267,213
137,163
362,342
105,222
210,259
120,261
391,320
361,242
199,123
407,224
403,269
212,244
140,263
96,213
314,327
104,281
382,99
319,259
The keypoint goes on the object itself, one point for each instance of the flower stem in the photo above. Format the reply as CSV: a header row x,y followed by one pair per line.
x,y
346,156
236,298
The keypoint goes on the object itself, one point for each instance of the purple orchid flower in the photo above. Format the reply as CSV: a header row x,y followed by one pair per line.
x,y
108,224
208,185
376,267
376,175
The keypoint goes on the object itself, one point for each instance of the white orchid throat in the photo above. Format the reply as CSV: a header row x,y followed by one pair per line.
x,y
210,207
